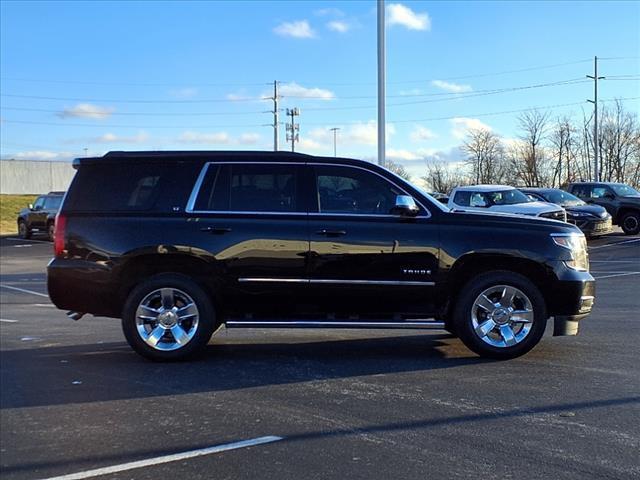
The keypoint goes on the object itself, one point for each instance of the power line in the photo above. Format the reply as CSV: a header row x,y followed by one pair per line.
x,y
133,114
74,99
539,107
132,84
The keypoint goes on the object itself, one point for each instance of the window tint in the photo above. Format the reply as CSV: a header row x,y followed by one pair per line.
x,y
582,191
52,203
250,188
478,200
600,191
120,187
354,191
39,203
462,198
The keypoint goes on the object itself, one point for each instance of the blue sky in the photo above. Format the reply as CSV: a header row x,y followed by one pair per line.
x,y
190,75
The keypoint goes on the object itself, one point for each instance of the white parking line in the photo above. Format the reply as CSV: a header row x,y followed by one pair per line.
x,y
30,240
23,246
617,275
614,244
23,290
167,458
614,261
6,320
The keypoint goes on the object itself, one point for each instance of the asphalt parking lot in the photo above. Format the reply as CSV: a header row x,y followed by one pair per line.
x,y
332,404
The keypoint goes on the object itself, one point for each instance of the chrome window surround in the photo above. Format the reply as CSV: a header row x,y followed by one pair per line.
x,y
334,281
198,185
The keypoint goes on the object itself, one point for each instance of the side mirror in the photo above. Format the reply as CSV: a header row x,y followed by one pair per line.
x,y
405,206
31,206
609,196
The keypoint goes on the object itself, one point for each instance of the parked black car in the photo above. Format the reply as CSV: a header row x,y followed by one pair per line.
x,y
40,217
621,201
593,220
180,243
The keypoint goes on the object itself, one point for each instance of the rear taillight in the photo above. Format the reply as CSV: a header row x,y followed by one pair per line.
x,y
59,234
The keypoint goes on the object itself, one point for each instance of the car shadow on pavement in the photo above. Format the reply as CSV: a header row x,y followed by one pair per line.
x,y
111,371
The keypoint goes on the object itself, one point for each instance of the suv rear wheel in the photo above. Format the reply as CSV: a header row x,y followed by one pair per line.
x,y
23,230
168,317
500,314
630,223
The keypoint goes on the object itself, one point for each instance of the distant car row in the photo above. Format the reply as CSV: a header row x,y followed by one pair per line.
x,y
593,207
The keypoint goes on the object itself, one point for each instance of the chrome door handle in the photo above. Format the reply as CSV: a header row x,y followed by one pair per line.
x,y
331,233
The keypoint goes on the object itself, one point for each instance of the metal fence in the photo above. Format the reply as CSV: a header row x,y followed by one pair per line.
x,y
34,177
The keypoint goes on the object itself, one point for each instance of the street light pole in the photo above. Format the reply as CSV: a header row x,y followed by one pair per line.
x,y
334,130
381,85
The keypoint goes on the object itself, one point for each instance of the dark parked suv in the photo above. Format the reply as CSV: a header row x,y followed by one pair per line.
x,y
40,217
179,243
621,201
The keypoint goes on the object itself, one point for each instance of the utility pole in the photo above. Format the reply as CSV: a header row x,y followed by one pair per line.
x,y
595,78
381,85
293,128
334,130
86,152
275,114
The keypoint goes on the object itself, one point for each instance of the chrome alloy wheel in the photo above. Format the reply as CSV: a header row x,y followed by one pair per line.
x,y
167,319
502,316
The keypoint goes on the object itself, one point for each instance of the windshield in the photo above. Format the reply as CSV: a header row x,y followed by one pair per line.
x,y
507,197
559,197
624,190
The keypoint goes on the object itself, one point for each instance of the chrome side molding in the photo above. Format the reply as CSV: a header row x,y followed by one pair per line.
x,y
408,325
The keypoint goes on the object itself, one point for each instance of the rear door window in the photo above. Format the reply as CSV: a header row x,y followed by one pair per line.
x,y
462,198
52,203
582,191
250,187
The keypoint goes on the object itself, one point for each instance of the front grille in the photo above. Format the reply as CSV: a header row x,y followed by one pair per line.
x,y
557,215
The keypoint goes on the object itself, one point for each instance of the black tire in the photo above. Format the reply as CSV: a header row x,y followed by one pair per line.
x,y
23,230
206,319
464,310
630,223
51,230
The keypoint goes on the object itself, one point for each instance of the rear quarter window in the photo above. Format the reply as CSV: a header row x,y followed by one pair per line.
x,y
131,187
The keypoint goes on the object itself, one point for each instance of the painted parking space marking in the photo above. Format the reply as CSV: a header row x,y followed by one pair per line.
x,y
617,275
23,290
6,320
167,458
615,243
31,240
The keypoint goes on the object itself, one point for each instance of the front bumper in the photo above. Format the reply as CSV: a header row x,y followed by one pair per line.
x,y
570,299
593,227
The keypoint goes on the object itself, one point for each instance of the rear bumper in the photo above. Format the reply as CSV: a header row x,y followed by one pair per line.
x,y
83,287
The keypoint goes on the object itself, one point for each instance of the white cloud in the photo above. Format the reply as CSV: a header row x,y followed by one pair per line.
x,y
420,133
238,97
86,110
205,138
338,26
294,90
187,92
398,14
306,144
329,12
451,87
249,138
141,137
42,155
363,133
402,155
297,29
462,125
218,138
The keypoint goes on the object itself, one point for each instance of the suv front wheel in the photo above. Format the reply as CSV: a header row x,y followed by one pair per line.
x,y
500,314
168,317
630,223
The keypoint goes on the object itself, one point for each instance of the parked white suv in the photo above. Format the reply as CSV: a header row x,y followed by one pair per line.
x,y
502,199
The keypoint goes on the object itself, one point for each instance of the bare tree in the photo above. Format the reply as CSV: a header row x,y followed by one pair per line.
x,y
528,159
441,177
485,155
564,146
398,169
619,139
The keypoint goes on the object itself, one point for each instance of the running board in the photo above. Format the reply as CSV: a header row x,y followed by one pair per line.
x,y
409,324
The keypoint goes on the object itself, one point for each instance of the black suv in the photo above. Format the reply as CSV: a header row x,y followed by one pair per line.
x,y
40,217
620,200
178,244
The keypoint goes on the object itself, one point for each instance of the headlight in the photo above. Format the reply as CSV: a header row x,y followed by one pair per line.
x,y
576,243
